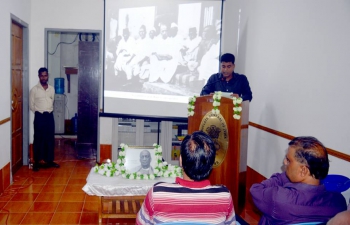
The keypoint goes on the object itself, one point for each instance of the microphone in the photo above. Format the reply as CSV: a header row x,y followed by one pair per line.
x,y
221,78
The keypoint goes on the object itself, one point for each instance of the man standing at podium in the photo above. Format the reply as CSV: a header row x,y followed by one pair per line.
x,y
41,100
227,80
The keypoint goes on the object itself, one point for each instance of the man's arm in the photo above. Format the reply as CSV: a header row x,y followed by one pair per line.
x,y
209,87
230,219
246,91
145,214
264,193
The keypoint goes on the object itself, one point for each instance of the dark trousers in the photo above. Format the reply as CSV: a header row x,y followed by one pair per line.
x,y
44,137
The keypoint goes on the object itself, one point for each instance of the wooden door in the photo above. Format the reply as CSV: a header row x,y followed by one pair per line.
x,y
17,96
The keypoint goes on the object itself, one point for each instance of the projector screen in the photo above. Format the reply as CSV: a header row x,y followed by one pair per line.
x,y
158,53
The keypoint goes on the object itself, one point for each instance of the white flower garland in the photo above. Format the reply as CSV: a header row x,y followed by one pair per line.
x,y
162,169
216,103
237,109
190,106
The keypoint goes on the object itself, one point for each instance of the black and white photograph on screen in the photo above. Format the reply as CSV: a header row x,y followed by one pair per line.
x,y
161,47
140,160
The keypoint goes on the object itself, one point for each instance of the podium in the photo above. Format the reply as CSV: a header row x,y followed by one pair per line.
x,y
231,137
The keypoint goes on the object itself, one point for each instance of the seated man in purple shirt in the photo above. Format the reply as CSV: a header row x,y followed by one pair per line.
x,y
296,195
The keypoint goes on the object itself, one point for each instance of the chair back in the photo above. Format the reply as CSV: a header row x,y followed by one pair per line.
x,y
336,183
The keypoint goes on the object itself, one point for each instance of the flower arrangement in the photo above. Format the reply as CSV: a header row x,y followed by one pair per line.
x,y
190,106
216,103
162,169
237,109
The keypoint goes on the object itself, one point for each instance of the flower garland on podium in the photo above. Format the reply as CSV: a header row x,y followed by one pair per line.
x,y
237,108
162,169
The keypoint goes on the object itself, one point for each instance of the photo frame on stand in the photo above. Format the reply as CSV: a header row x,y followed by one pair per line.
x,y
140,159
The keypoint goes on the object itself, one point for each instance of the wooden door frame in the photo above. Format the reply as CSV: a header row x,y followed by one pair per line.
x,y
101,53
25,87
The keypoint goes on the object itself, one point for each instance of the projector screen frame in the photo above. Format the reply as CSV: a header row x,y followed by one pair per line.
x,y
153,117
146,118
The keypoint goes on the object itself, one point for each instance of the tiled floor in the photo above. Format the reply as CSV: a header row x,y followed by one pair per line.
x,y
55,196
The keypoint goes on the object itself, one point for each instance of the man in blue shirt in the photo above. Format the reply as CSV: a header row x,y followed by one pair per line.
x,y
296,195
227,80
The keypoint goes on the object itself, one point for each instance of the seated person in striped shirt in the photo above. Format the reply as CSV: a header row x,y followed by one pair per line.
x,y
191,198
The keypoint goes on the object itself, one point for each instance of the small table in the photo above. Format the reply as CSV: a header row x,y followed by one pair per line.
x,y
119,197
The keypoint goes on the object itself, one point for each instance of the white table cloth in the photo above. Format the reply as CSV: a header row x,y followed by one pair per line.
x,y
99,185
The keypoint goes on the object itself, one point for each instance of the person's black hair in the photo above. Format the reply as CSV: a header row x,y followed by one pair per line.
x,y
42,69
144,27
198,155
227,57
312,153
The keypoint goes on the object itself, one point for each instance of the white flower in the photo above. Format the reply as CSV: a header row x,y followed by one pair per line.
x,y
122,168
131,177
154,144
124,175
138,173
108,173
145,177
170,167
173,175
239,109
191,113
239,100
122,145
160,149
159,174
138,178
101,172
166,175
234,101
151,176
237,117
156,171
116,173
123,161
165,163
118,161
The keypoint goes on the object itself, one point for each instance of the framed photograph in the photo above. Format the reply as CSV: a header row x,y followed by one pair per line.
x,y
140,159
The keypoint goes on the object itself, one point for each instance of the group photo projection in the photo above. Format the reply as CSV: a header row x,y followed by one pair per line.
x,y
158,54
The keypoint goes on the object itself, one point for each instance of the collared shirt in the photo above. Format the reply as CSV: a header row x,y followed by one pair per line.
x,y
238,85
187,201
284,202
41,100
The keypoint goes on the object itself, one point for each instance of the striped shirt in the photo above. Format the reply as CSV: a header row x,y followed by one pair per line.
x,y
187,201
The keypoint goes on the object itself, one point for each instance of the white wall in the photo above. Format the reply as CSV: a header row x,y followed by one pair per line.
x,y
295,55
18,8
62,14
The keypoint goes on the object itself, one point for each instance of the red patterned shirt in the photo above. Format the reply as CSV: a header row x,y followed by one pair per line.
x,y
187,201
